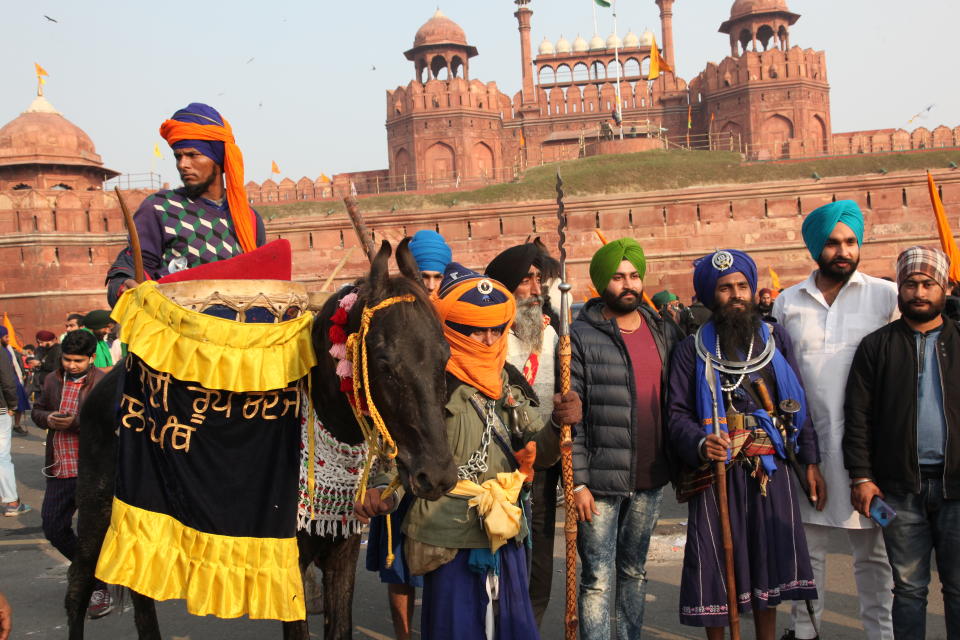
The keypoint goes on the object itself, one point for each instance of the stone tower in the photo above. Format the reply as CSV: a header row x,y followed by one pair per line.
x,y
444,128
772,97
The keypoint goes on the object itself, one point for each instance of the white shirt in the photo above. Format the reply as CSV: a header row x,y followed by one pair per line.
x,y
825,338
544,382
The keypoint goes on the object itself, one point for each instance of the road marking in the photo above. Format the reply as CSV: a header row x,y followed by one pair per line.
x,y
23,541
372,634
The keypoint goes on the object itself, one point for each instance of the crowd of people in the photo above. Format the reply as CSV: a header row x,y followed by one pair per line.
x,y
778,416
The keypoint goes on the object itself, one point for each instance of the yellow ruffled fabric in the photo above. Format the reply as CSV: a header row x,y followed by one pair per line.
x,y
496,503
217,353
157,556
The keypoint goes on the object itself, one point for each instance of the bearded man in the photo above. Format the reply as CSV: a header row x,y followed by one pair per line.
x,y
621,350
532,351
741,354
469,544
826,316
207,219
900,411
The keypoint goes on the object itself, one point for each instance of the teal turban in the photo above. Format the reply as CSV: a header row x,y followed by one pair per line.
x,y
819,224
664,297
606,261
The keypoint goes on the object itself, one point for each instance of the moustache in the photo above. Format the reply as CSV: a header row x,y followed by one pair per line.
x,y
628,292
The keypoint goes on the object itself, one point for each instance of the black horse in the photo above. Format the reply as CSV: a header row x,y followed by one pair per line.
x,y
407,356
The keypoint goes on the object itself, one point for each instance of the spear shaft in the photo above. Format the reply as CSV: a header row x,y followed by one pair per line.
x,y
571,623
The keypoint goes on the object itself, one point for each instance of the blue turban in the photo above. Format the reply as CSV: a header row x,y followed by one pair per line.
x,y
199,113
430,251
711,267
819,224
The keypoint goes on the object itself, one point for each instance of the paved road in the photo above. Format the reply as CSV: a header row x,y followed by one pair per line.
x,y
33,575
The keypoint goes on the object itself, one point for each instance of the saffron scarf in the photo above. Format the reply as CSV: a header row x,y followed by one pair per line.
x,y
243,218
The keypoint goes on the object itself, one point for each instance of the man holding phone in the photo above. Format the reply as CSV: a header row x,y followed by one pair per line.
x,y
901,407
57,410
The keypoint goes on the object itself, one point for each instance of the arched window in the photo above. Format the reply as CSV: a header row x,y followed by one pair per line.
x,y
597,71
631,68
764,34
580,72
456,64
62,187
612,70
21,186
438,66
546,75
564,74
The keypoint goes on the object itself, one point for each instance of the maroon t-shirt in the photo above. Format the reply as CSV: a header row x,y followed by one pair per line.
x,y
647,369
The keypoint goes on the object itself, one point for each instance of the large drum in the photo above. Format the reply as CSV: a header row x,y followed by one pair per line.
x,y
261,301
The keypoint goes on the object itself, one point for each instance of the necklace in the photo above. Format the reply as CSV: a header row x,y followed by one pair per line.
x,y
729,388
634,330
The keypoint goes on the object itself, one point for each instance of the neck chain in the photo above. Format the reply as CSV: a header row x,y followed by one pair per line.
x,y
729,388
628,332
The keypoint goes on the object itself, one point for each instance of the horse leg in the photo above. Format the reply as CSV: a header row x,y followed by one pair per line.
x,y
307,548
338,560
145,617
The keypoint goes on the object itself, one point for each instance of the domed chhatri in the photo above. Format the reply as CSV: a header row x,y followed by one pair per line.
x,y
647,39
563,45
631,40
440,29
746,7
597,43
546,47
614,41
41,136
580,45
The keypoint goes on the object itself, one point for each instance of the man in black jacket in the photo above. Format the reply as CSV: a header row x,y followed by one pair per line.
x,y
621,349
900,410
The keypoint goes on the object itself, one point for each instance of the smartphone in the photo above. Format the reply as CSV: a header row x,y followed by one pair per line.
x,y
881,512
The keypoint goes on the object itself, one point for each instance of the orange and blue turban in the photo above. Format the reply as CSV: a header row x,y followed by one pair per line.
x,y
711,267
819,224
201,127
465,302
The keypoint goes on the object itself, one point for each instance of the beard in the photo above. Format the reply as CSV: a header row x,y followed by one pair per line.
x,y
836,272
923,313
194,191
617,302
736,327
528,323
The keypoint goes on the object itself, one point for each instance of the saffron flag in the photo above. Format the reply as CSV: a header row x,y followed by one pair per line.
x,y
689,116
156,151
324,178
947,242
657,63
41,72
205,501
602,3
11,333
523,140
274,168
774,280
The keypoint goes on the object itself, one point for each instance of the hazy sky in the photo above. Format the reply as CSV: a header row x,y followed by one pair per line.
x,y
303,83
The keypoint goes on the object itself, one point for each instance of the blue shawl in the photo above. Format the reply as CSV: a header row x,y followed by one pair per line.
x,y
788,386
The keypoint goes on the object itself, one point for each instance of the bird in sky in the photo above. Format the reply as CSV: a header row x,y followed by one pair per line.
x,y
49,18
251,60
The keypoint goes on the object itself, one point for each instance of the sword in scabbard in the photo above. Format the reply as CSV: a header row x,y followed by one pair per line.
x,y
571,623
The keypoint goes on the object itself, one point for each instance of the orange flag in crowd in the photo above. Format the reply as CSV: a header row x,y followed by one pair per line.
x,y
774,279
947,241
274,168
10,332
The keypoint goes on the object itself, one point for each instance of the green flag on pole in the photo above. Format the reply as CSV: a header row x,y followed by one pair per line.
x,y
603,3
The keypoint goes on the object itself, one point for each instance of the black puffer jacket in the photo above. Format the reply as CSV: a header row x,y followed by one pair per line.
x,y
604,446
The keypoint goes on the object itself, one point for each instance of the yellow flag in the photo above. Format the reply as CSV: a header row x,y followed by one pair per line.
x,y
774,279
156,151
10,332
40,70
947,241
325,178
274,168
657,63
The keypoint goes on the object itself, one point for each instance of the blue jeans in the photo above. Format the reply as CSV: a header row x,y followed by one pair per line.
x,y
617,539
925,522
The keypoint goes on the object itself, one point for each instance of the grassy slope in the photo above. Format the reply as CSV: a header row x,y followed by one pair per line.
x,y
630,173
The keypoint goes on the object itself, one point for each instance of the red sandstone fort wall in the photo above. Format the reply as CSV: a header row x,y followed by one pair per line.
x,y
55,247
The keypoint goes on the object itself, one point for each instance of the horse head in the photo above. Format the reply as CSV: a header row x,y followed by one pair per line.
x,y
406,359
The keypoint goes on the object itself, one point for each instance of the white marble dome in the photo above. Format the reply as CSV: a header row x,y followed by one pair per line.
x,y
631,40
546,47
614,41
597,43
580,45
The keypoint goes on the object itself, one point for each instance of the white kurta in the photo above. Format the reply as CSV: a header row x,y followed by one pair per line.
x,y
825,338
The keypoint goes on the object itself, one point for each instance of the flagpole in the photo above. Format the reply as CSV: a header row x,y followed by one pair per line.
x,y
616,58
595,30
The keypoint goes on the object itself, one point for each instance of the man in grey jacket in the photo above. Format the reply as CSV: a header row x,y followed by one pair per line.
x,y
621,349
9,498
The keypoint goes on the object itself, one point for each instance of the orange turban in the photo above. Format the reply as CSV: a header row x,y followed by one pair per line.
x,y
244,220
475,301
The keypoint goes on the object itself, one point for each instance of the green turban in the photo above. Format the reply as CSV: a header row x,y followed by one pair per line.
x,y
606,261
664,297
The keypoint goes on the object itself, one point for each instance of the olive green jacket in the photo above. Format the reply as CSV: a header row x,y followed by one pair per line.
x,y
449,522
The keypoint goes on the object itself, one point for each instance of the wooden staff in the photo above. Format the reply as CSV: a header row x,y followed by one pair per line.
x,y
337,269
720,475
138,273
571,622
356,219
